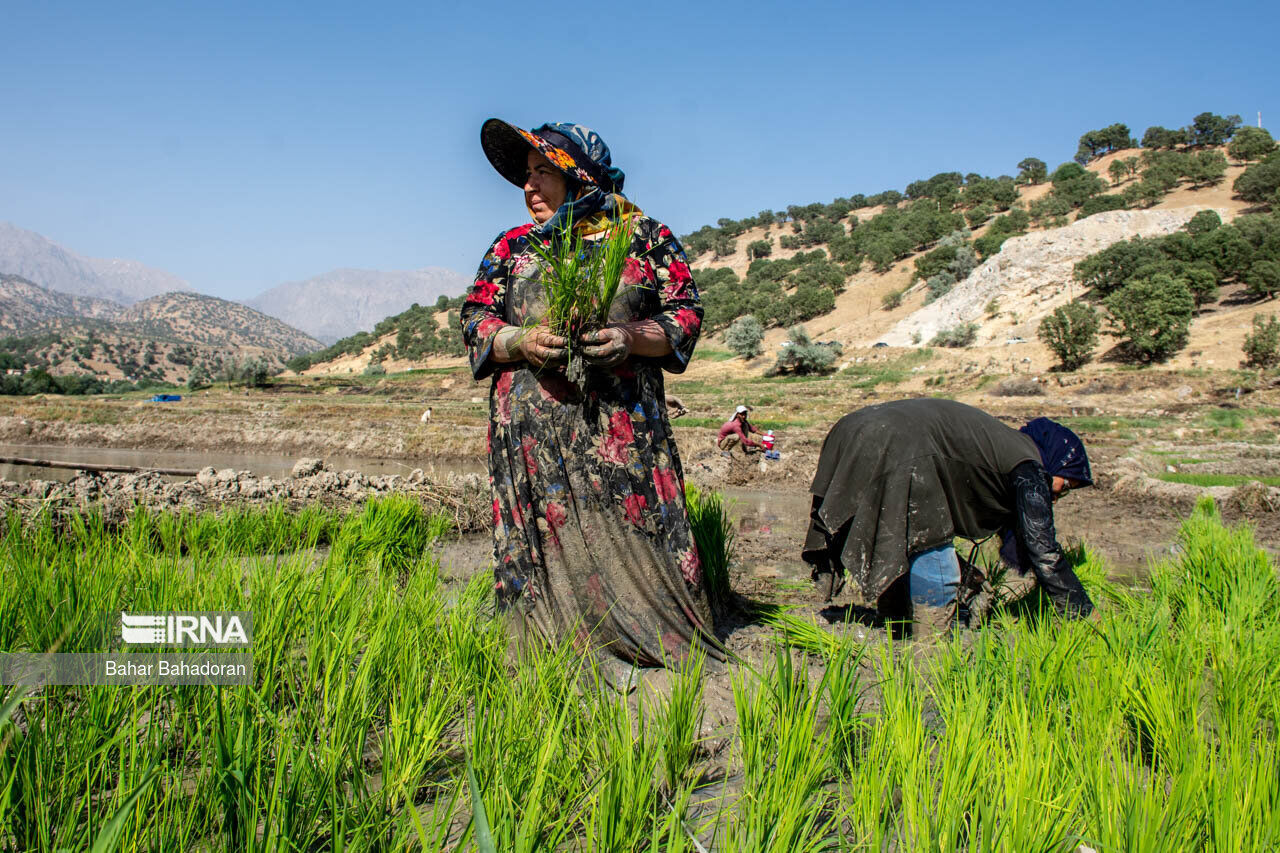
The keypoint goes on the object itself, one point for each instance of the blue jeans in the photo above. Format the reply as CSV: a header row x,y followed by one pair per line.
x,y
935,577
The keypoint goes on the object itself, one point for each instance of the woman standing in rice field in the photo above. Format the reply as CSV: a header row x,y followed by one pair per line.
x,y
591,536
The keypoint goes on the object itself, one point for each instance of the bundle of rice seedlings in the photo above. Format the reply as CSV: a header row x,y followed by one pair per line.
x,y
581,276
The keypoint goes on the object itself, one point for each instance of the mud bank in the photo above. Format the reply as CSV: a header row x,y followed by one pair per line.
x,y
232,435
463,496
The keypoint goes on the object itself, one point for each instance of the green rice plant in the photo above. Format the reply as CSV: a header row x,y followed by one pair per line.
x,y
678,722
800,633
378,694
625,800
714,536
785,805
1192,478
581,276
393,530
1221,572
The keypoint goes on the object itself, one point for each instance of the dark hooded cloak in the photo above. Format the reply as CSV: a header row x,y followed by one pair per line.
x,y
899,478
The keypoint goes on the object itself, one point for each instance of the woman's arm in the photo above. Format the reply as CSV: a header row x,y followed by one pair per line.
x,y
1037,540
679,317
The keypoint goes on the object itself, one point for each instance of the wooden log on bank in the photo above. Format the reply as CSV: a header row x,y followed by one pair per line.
x,y
96,467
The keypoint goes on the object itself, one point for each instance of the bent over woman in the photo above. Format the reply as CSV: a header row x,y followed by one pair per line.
x,y
897,481
590,530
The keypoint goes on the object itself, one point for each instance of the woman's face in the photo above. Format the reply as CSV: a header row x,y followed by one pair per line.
x,y
545,188
1062,485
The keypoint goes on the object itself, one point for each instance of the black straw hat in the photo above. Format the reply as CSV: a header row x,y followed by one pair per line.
x,y
508,147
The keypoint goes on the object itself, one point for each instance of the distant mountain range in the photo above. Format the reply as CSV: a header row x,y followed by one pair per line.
x,y
327,307
163,337
188,318
345,301
40,260
26,307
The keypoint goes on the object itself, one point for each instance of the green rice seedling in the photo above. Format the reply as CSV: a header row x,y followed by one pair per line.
x,y
1222,569
581,276
785,805
1192,478
678,722
848,722
966,703
479,817
714,536
528,750
1155,729
625,801
800,633
393,530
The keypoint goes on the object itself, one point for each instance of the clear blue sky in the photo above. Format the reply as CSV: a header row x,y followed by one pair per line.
x,y
242,145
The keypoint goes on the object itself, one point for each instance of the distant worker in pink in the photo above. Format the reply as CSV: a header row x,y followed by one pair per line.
x,y
736,431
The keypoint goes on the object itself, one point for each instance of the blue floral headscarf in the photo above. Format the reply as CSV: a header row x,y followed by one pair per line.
x,y
1061,450
577,151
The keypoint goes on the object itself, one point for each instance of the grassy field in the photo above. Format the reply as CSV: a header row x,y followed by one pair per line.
x,y
1206,480
389,713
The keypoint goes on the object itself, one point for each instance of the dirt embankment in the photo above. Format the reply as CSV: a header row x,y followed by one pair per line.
x,y
463,496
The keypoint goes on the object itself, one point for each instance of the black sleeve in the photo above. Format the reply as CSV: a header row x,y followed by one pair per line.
x,y
1038,547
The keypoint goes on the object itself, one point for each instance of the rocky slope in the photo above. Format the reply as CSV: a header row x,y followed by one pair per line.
x,y
860,318
1031,274
345,301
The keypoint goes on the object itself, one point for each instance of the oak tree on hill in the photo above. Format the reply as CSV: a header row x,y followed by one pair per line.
x,y
1162,137
1260,183
1251,143
1212,129
1071,332
1152,315
1117,170
1032,171
1262,345
1095,143
1263,278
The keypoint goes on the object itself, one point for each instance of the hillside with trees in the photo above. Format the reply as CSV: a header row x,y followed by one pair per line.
x,y
854,267
77,344
412,338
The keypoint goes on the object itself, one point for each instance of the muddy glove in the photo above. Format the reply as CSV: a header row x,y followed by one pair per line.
x,y
535,345
606,347
1038,541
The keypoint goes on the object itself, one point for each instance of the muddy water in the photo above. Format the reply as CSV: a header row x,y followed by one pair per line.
x,y
260,464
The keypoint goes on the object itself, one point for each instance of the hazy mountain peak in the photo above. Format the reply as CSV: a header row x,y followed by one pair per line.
x,y
49,265
344,301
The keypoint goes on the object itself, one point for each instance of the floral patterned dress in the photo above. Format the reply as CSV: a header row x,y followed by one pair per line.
x,y
591,537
